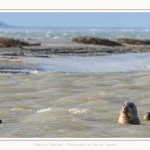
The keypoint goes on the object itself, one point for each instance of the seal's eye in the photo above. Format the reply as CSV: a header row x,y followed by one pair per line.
x,y
131,106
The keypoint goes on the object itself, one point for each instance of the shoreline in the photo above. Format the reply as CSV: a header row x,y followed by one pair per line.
x,y
67,48
16,60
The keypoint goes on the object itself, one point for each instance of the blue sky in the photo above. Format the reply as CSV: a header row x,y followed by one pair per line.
x,y
77,19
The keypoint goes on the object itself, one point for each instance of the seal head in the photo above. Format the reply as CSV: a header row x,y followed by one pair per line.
x,y
128,114
147,116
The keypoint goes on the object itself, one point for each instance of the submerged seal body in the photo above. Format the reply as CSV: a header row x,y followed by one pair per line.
x,y
128,114
147,116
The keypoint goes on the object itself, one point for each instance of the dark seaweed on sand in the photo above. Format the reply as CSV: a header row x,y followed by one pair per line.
x,y
10,42
95,41
133,41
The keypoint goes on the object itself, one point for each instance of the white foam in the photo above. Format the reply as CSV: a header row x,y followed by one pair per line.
x,y
43,110
20,109
16,109
77,111
34,72
55,37
26,33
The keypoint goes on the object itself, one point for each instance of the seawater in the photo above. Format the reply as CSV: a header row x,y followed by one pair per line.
x,y
69,33
76,97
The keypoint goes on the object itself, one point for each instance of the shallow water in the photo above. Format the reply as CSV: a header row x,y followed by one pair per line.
x,y
60,103
113,63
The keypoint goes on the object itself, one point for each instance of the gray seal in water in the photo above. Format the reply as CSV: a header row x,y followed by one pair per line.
x,y
146,117
1,123
128,114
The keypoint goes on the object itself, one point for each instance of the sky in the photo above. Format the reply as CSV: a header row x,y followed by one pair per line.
x,y
77,19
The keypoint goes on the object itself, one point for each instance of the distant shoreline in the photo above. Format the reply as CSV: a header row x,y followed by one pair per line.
x,y
50,48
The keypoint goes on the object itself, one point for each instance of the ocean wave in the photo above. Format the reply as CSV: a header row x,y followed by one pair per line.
x,y
42,34
43,110
20,109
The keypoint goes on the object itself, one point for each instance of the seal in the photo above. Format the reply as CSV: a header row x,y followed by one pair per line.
x,y
128,114
1,123
146,117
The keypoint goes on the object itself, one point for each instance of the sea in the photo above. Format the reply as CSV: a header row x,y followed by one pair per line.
x,y
76,96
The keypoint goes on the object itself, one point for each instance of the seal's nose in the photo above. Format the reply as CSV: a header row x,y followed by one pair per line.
x,y
124,109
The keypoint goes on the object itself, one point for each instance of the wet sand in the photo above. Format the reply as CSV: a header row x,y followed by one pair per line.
x,y
13,64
